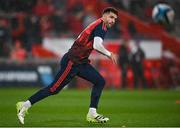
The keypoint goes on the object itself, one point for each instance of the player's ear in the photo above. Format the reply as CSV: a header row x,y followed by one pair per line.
x,y
104,16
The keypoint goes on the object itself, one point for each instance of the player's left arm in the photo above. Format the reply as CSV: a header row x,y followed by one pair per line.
x,y
98,46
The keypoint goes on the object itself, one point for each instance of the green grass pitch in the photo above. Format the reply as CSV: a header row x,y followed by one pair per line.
x,y
139,108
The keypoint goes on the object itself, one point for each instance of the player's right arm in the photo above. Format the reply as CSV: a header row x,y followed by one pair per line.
x,y
98,46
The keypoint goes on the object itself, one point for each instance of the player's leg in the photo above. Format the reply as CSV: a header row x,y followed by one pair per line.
x,y
63,77
89,73
141,76
135,75
123,76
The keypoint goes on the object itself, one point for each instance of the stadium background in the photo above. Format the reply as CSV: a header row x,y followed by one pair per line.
x,y
35,34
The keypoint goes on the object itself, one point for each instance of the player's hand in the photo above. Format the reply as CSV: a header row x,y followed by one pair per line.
x,y
113,57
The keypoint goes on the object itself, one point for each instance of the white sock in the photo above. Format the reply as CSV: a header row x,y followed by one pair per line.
x,y
92,111
27,104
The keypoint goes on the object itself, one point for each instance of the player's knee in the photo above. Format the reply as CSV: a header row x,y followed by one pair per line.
x,y
101,82
54,92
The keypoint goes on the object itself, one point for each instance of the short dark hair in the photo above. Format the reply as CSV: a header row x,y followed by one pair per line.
x,y
110,9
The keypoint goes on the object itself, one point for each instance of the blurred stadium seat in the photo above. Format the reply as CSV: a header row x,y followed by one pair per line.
x,y
40,52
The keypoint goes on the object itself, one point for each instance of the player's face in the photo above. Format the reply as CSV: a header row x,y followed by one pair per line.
x,y
110,19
